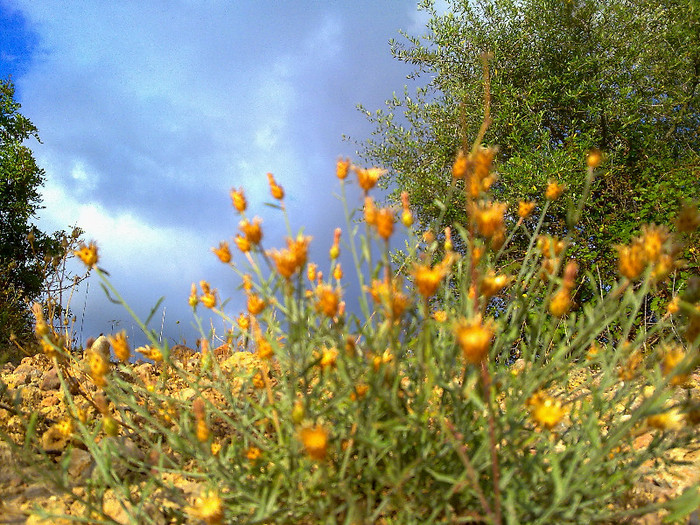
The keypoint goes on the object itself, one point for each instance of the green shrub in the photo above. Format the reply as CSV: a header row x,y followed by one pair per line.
x,y
477,392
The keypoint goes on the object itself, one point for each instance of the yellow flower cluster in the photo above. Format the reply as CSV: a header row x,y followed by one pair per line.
x,y
653,248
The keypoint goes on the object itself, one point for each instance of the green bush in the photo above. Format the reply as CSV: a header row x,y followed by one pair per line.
x,y
477,392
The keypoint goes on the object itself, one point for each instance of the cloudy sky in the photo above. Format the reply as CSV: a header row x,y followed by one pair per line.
x,y
151,111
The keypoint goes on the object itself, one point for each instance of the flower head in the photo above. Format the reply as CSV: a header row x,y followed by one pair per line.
x,y
88,254
554,191
341,168
385,223
238,199
489,218
428,279
525,209
252,230
560,303
275,189
120,346
208,507
474,338
223,252
327,300
315,441
546,411
631,260
367,178
255,304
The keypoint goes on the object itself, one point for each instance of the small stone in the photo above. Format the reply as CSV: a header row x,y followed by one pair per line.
x,y
50,380
80,465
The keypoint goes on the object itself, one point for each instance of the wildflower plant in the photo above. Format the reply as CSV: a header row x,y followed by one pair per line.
x,y
467,388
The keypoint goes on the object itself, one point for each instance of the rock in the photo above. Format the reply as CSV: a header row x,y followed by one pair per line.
x,y
80,465
186,394
101,346
50,380
24,368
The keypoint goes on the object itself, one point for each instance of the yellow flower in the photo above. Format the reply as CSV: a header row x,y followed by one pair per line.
x,y
367,178
238,199
459,168
631,260
208,508
674,306
440,316
669,420
359,392
370,211
242,243
255,304
385,223
88,254
329,358
474,338
391,297
406,215
489,218
338,272
275,189
334,252
99,366
41,328
258,381
120,346
193,299
594,158
264,348
252,230
243,322
427,279
491,284
341,168
672,357
550,246
315,441
554,191
223,252
379,360
560,303
327,300
202,430
653,240
150,352
525,209
311,270
546,411
209,299
292,258
253,454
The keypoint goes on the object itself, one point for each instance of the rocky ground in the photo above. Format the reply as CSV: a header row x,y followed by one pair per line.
x,y
36,380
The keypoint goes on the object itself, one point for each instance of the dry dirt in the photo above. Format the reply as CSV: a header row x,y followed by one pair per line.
x,y
37,381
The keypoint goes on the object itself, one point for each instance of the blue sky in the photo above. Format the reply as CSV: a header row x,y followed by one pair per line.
x,y
151,111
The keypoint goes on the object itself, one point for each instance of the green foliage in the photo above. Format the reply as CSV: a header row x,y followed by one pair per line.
x,y
25,252
566,76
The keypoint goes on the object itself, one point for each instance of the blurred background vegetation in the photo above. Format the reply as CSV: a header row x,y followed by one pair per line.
x,y
566,76
32,262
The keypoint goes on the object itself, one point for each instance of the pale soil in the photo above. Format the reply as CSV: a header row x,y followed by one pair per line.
x,y
20,492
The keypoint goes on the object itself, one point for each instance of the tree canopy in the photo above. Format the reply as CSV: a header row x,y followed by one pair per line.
x,y
566,76
24,249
